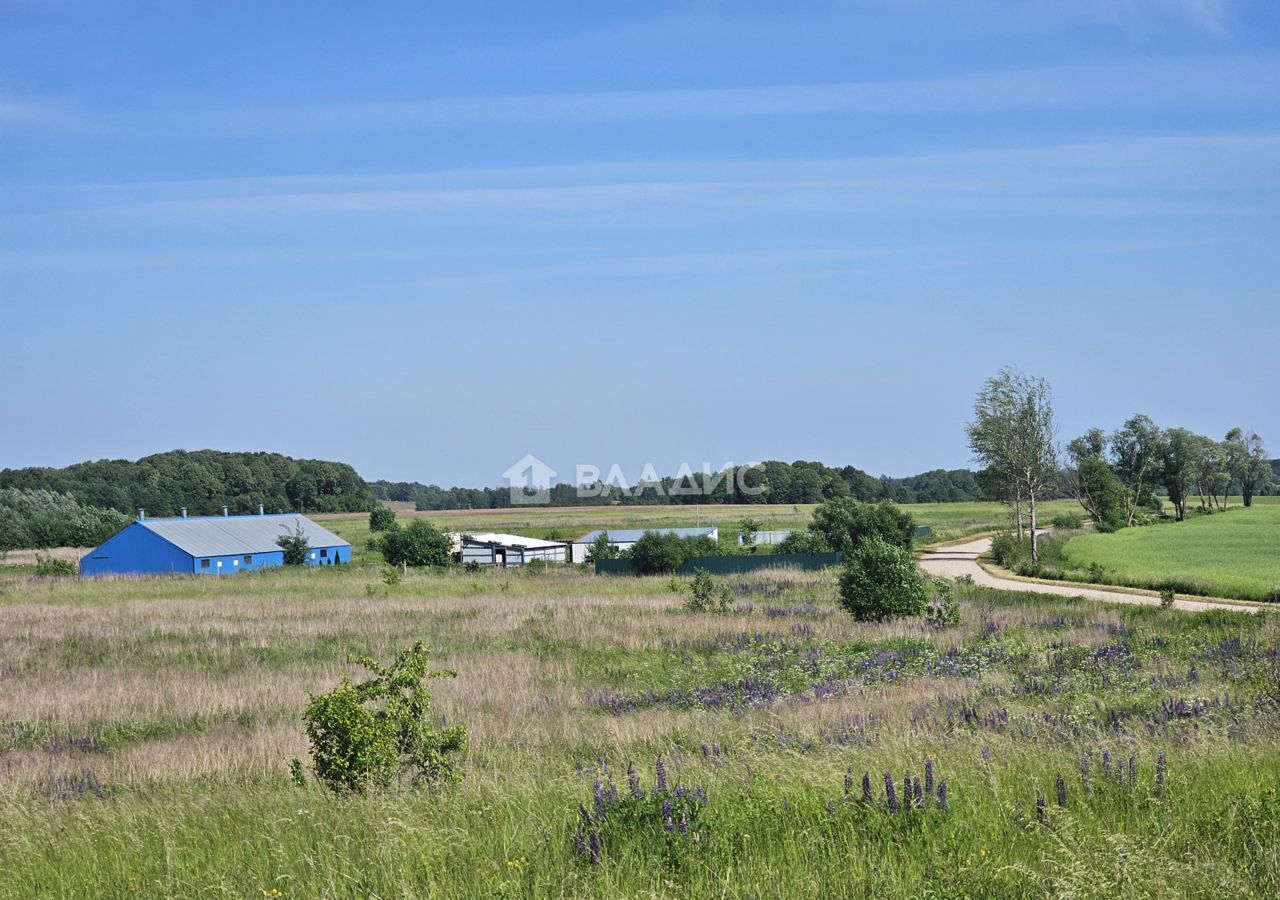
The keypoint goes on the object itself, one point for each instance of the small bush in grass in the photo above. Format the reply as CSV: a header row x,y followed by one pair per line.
x,y
1166,599
382,518
1067,521
295,547
364,735
52,567
944,611
880,581
418,544
705,595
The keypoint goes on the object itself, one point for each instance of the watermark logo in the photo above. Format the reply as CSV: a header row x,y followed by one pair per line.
x,y
530,481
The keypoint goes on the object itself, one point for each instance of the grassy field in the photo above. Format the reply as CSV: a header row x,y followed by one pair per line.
x,y
146,728
949,520
1231,554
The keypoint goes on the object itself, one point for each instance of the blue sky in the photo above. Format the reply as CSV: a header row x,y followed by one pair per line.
x,y
430,238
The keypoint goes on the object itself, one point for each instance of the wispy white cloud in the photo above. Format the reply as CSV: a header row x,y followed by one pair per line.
x,y
15,113
1170,174
1149,84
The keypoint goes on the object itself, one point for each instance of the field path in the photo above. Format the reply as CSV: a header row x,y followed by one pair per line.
x,y
962,559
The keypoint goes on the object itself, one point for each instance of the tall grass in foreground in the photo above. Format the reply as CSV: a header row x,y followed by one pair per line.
x,y
1086,750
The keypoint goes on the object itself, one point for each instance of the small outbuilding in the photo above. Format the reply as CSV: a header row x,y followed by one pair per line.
x,y
625,538
490,549
210,545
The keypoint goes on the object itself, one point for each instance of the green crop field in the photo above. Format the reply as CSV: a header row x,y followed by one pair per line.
x,y
146,728
1230,554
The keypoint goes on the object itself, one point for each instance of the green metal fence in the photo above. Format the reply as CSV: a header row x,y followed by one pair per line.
x,y
732,565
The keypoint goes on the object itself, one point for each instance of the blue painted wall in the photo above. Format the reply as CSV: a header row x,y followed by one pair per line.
x,y
232,564
135,550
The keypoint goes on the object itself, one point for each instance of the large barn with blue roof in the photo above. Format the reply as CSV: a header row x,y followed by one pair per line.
x,y
210,545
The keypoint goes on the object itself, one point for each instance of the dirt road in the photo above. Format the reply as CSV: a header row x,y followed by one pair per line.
x,y
962,559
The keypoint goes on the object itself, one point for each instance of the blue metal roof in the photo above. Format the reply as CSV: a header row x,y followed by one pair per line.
x,y
631,535
234,535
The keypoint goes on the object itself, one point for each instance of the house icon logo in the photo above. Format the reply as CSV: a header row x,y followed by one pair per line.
x,y
530,481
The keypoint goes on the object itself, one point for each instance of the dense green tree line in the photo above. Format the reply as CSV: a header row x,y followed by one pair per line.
x,y
796,482
1120,476
37,518
203,481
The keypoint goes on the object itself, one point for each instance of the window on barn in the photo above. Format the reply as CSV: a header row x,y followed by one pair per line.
x,y
248,560
324,551
204,563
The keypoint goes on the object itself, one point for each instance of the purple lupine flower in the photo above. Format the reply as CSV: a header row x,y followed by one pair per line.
x,y
917,792
1160,766
1084,775
584,815
1062,792
675,751
1106,763
907,793
1133,769
580,841
1042,810
700,795
666,809
928,779
706,751
831,807
633,781
661,768
986,754
890,793
684,820
942,796
848,780
611,793
866,789
597,795
593,847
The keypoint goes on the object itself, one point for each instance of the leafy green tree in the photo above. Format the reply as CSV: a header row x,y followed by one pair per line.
x,y
1014,435
1178,467
382,518
363,735
747,529
660,553
296,547
1251,467
417,544
601,548
843,522
1091,480
804,541
1137,450
881,581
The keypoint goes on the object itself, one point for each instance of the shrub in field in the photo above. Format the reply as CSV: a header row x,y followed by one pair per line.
x,y
1166,599
417,544
806,541
601,548
295,546
705,595
658,553
364,735
944,610
880,581
51,567
382,518
843,522
1067,521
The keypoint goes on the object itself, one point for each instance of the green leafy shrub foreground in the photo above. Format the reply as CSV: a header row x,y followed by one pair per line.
x,y
623,746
